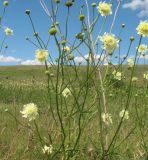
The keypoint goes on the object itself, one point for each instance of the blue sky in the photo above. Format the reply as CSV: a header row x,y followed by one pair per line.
x,y
130,13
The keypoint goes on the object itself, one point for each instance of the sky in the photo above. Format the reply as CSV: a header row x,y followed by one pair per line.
x,y
20,51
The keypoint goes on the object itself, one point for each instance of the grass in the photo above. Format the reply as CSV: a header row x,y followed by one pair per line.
x,y
19,139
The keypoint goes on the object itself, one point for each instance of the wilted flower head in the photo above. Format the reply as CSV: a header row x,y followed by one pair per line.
x,y
66,49
66,92
142,49
104,8
130,62
41,55
9,31
47,150
145,75
109,42
107,118
142,28
124,113
30,111
117,75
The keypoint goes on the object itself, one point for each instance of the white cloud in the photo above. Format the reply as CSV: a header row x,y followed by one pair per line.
x,y
141,5
9,59
79,59
142,57
30,62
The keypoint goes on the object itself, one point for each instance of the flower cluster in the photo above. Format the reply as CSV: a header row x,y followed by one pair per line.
x,y
145,75
109,42
130,62
104,8
142,28
47,149
41,55
142,49
134,79
124,113
9,31
66,92
30,111
107,118
117,75
66,49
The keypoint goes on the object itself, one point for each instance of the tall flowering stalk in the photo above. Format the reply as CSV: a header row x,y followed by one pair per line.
x,y
7,31
72,106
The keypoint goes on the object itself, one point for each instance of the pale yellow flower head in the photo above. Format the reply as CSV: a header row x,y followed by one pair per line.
x,y
124,113
104,8
66,49
41,55
109,42
47,150
117,75
107,118
30,111
134,79
9,31
143,48
145,75
130,62
142,28
66,92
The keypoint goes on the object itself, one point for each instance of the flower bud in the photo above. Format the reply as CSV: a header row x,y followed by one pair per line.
x,y
57,1
109,63
80,36
57,23
68,3
81,17
27,12
52,30
132,38
49,66
136,95
120,40
123,25
27,38
51,75
93,5
6,46
70,57
110,53
36,34
5,3
63,42
6,110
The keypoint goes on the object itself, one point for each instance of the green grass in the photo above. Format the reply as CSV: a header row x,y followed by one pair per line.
x,y
20,85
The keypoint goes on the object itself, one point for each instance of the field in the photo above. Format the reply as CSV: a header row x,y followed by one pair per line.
x,y
20,139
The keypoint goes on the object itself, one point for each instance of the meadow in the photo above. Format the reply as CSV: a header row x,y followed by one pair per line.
x,y
20,85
